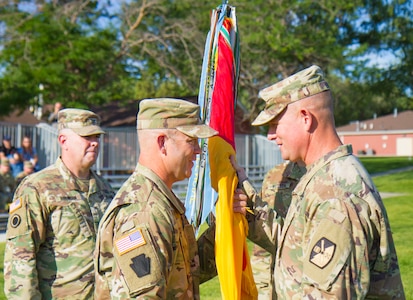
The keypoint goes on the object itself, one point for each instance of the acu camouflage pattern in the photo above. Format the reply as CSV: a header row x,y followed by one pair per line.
x,y
169,113
166,265
303,84
336,241
83,122
7,186
276,190
51,235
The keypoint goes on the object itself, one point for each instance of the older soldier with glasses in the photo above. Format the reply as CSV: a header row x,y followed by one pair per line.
x,y
54,218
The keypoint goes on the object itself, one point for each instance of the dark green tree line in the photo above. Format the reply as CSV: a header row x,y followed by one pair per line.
x,y
90,52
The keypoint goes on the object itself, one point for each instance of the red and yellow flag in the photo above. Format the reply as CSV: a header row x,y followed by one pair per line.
x,y
232,258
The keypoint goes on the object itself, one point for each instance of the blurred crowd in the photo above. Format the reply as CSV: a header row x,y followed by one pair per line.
x,y
15,164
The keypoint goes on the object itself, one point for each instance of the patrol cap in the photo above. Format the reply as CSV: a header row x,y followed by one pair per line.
x,y
7,138
81,121
303,84
5,162
169,113
28,164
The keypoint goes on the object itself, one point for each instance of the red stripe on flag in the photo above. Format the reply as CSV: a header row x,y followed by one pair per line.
x,y
222,104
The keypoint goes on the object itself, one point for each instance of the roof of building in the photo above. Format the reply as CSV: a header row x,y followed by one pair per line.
x,y
121,114
117,114
25,117
393,122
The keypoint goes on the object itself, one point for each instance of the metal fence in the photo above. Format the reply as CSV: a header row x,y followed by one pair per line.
x,y
119,151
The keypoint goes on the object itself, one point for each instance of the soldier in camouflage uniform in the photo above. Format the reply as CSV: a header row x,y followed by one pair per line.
x,y
28,169
54,217
335,242
276,190
146,248
7,184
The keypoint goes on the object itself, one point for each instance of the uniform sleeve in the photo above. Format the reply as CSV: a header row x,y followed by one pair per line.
x,y
206,250
142,250
335,252
263,223
25,232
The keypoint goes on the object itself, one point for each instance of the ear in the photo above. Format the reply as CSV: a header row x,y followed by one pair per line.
x,y
162,143
62,140
307,119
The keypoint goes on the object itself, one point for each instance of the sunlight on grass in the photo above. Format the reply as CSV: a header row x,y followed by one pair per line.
x,y
399,209
377,164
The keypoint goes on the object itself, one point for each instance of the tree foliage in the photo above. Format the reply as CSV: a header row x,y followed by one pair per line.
x,y
90,52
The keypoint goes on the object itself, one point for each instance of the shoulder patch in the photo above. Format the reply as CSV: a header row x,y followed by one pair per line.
x,y
129,242
15,220
322,252
15,205
141,265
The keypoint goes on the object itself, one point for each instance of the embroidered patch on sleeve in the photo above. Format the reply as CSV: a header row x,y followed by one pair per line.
x,y
132,241
15,205
15,221
322,252
141,265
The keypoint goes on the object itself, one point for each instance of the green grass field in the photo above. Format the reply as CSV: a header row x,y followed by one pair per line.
x,y
399,209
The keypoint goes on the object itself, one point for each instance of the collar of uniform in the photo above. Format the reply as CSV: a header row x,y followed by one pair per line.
x,y
94,184
70,181
162,186
312,169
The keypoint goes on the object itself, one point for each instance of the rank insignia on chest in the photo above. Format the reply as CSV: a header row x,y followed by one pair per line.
x,y
129,242
322,252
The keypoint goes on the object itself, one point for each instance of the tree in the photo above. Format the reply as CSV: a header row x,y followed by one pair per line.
x,y
86,51
60,47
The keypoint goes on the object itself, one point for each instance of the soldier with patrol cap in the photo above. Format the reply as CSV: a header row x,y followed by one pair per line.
x,y
145,247
7,184
336,241
54,218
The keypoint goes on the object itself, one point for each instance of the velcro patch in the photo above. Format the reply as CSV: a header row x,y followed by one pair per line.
x,y
141,265
322,252
15,205
129,242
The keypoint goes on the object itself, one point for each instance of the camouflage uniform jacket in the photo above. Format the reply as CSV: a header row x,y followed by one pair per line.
x,y
276,190
146,248
7,183
336,241
51,235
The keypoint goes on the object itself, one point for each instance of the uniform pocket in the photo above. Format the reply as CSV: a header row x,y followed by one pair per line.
x,y
136,255
327,253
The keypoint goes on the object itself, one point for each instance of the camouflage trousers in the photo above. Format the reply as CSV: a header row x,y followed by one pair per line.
x,y
261,263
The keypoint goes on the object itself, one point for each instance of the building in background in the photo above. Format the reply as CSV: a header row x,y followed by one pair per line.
x,y
390,135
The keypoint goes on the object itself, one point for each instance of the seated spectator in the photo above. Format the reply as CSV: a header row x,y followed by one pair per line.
x,y
7,184
28,169
28,152
7,150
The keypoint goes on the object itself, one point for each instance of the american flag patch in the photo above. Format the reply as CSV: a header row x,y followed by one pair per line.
x,y
131,241
15,205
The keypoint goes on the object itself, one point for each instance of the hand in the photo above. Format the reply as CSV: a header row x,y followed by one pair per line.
x,y
240,202
240,170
